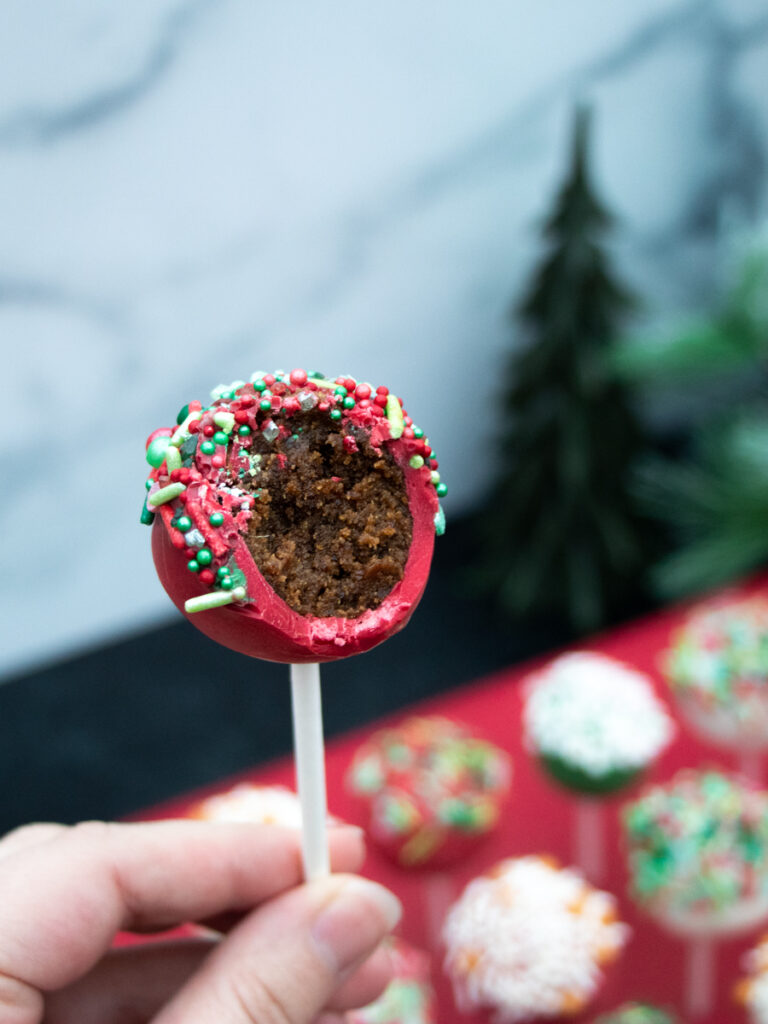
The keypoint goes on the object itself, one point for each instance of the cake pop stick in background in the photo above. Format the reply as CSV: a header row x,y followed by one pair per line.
x,y
697,850
595,725
294,520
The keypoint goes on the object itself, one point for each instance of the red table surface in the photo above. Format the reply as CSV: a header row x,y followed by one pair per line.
x,y
538,819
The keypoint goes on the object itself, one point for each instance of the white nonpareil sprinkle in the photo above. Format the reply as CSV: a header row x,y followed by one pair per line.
x,y
530,941
595,713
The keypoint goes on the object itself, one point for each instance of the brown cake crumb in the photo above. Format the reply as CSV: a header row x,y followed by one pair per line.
x,y
331,529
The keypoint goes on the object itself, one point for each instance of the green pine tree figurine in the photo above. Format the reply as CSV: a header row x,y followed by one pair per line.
x,y
563,535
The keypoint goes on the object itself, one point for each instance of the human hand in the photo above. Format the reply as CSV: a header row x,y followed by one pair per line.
x,y
291,953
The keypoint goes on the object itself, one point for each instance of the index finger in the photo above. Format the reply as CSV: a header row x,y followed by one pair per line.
x,y
63,900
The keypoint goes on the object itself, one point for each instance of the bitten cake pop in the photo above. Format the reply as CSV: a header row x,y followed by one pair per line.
x,y
294,520
252,804
752,991
698,853
717,667
294,516
529,940
409,997
432,789
637,1013
593,722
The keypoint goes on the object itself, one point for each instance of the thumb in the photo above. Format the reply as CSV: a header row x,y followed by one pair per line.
x,y
284,962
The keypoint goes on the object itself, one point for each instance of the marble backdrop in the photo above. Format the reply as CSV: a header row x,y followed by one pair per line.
x,y
193,189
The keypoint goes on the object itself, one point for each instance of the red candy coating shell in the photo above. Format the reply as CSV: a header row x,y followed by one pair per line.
x,y
268,628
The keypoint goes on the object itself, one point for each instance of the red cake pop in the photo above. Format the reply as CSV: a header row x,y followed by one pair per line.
x,y
294,517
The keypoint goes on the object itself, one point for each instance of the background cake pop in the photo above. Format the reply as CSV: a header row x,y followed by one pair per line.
x,y
697,849
528,940
717,668
409,998
752,991
249,803
594,724
294,516
431,790
636,1013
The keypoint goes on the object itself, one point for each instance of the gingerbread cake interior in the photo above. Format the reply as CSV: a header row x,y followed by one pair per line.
x,y
331,528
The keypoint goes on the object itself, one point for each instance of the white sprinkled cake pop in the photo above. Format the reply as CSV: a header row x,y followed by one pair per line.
x,y
251,804
529,940
752,991
594,723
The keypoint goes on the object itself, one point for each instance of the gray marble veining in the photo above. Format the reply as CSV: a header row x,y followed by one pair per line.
x,y
190,189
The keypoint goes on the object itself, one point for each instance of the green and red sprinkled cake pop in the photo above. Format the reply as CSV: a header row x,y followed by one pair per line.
x,y
698,853
409,998
717,668
294,516
432,790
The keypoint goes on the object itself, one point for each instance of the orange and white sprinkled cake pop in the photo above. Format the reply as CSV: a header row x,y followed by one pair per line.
x,y
530,940
251,804
752,991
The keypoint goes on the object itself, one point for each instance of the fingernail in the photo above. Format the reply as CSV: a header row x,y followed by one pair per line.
x,y
357,918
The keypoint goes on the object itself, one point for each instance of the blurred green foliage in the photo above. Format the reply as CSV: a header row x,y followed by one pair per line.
x,y
714,497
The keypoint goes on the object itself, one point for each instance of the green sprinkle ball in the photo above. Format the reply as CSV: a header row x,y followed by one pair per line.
x,y
204,556
220,437
244,431
442,490
216,518
193,565
156,451
207,447
183,523
335,414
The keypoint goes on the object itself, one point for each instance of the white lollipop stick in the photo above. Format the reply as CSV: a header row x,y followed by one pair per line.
x,y
751,765
590,838
700,968
310,768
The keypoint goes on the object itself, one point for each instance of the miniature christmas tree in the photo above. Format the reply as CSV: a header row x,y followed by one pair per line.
x,y
562,534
